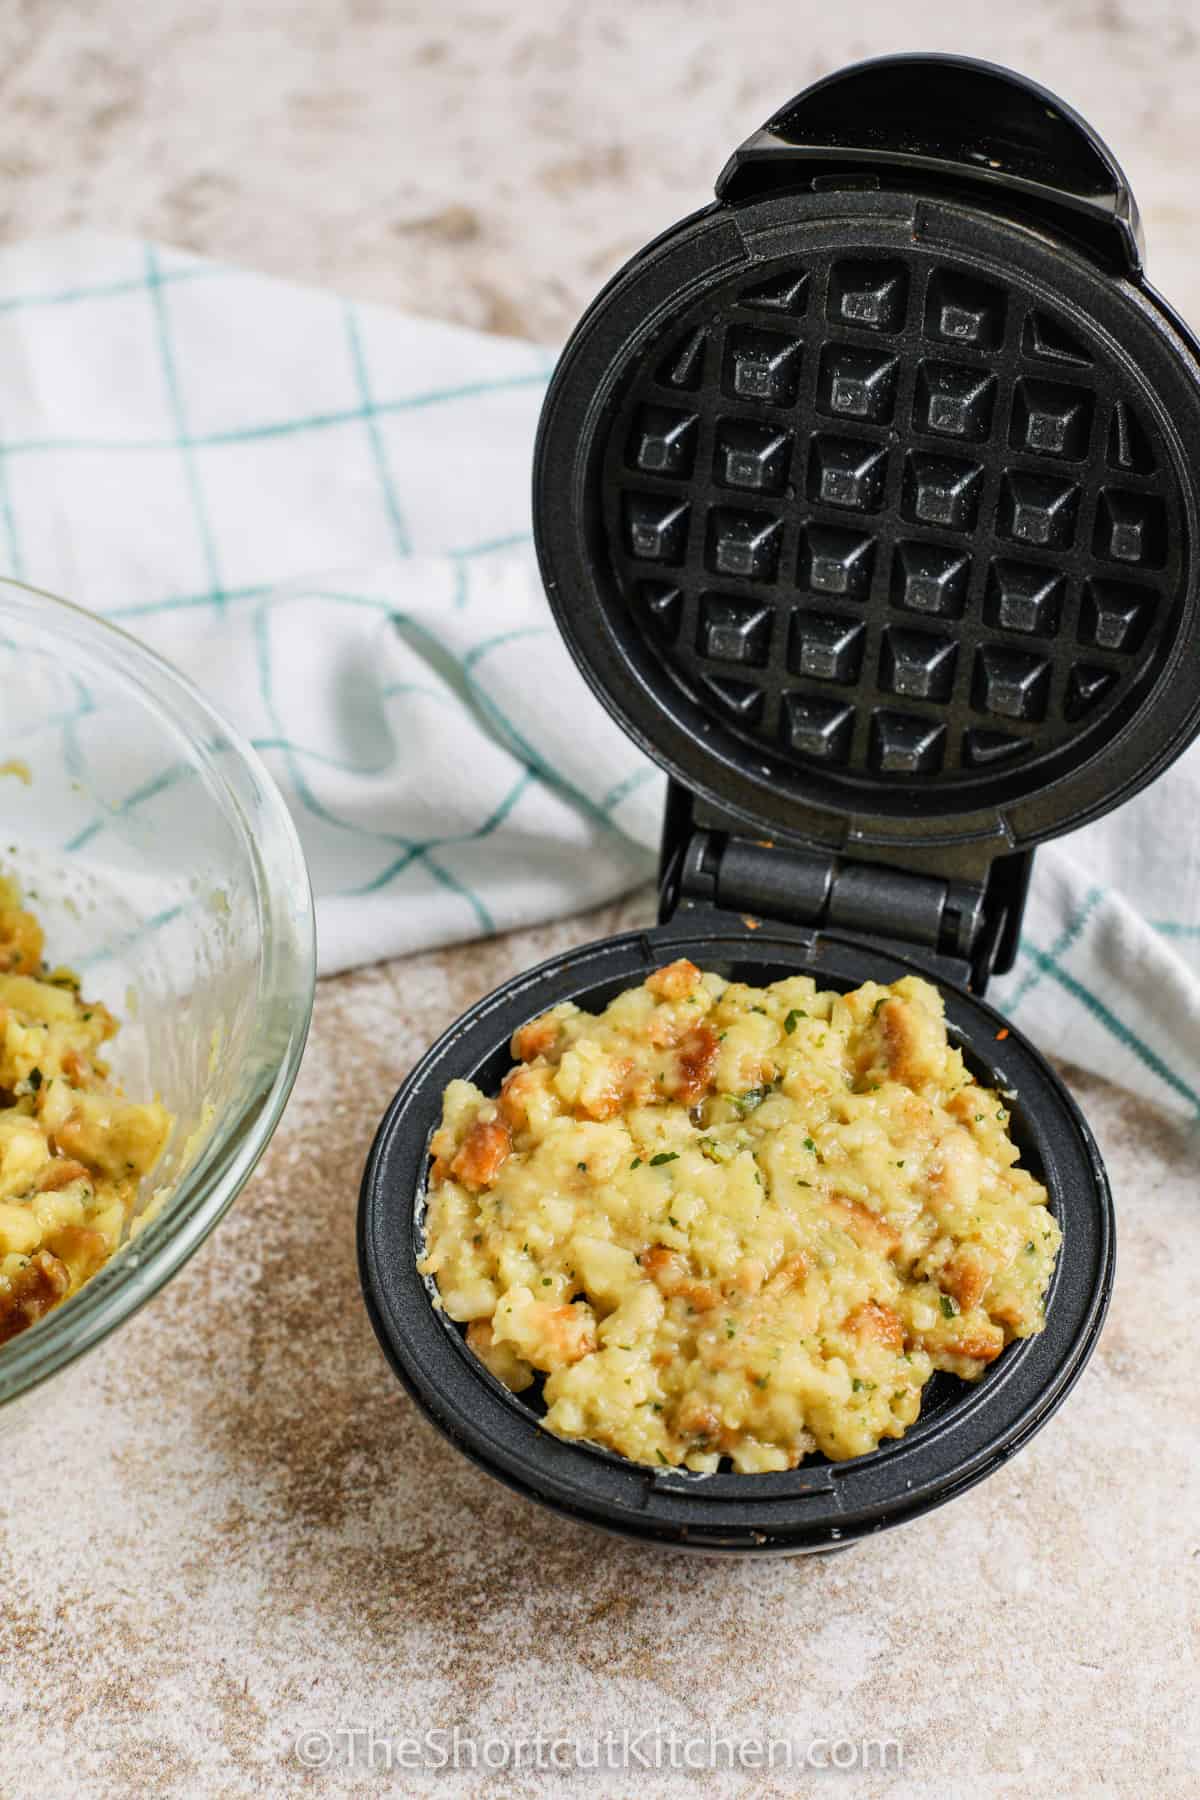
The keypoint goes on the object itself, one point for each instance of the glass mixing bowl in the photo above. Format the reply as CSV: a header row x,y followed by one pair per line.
x,y
163,864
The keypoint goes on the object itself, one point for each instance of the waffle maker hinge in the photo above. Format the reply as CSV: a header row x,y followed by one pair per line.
x,y
962,930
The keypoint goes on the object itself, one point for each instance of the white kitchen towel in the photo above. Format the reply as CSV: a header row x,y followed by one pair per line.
x,y
320,511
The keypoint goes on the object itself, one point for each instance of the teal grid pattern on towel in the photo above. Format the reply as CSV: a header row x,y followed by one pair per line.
x,y
320,512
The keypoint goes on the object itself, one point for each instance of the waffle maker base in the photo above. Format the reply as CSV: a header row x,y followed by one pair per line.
x,y
965,1430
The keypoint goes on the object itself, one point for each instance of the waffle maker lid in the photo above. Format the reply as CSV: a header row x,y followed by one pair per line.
x,y
865,498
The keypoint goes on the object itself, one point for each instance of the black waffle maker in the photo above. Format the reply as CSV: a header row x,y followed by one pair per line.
x,y
865,499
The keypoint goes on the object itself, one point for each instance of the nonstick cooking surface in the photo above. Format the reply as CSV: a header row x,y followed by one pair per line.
x,y
896,520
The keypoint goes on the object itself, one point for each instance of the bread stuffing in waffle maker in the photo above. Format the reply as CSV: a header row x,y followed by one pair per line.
x,y
864,500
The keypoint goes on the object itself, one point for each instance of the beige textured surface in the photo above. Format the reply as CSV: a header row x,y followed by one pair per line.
x,y
232,1527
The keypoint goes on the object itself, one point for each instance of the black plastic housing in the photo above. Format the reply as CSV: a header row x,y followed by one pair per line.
x,y
962,126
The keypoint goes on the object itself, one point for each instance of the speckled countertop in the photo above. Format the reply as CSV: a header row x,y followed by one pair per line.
x,y
233,1530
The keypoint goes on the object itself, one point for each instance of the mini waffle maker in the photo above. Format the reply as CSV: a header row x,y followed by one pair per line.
x,y
865,500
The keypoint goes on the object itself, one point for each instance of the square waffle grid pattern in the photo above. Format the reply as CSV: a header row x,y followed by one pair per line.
x,y
897,519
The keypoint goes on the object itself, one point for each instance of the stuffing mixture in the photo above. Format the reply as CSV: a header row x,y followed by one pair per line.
x,y
724,1221
73,1150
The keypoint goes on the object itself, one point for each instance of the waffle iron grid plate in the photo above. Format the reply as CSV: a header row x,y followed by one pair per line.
x,y
885,516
